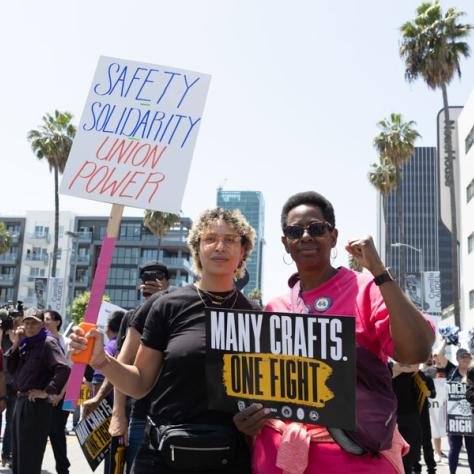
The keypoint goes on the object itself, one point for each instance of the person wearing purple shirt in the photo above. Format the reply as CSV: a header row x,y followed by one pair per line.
x,y
40,371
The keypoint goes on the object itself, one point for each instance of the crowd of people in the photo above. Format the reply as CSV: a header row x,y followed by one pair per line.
x,y
153,367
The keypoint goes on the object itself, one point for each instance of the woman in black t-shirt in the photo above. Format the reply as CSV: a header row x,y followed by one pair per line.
x,y
173,346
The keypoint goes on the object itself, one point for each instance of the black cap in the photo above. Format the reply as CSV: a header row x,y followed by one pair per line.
x,y
154,267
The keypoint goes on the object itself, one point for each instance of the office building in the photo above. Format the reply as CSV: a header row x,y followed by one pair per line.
x,y
10,261
135,246
420,201
466,211
251,204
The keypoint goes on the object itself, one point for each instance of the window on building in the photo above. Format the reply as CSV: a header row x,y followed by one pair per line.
x,y
41,230
6,294
130,231
122,277
471,299
126,255
469,140
124,298
13,229
470,243
150,255
470,191
37,272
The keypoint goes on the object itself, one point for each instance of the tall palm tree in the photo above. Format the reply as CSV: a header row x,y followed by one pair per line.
x,y
159,223
384,178
52,142
396,144
5,238
432,46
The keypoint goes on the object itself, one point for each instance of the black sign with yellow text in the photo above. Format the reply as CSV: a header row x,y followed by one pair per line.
x,y
301,366
93,434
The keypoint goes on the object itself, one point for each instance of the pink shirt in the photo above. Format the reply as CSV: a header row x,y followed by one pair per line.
x,y
348,293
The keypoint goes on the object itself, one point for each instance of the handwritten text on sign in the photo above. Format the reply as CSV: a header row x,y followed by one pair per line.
x,y
136,136
300,366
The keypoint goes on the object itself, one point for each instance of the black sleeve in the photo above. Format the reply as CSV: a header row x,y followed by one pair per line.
x,y
156,327
89,373
124,325
57,364
139,318
470,386
429,383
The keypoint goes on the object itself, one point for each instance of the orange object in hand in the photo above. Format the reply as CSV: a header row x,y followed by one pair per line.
x,y
84,356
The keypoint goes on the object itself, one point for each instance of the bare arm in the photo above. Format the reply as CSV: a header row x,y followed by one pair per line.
x,y
442,361
133,380
412,335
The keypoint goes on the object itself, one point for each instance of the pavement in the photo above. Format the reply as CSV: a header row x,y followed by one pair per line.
x,y
79,464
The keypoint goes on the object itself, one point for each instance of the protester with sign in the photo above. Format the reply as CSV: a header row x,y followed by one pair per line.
x,y
40,371
387,324
173,345
456,431
443,368
57,435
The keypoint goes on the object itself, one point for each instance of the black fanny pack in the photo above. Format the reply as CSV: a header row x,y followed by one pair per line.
x,y
194,447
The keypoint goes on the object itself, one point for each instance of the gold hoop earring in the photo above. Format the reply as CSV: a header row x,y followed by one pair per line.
x,y
285,262
333,254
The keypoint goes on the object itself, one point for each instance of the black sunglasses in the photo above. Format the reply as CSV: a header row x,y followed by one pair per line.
x,y
315,229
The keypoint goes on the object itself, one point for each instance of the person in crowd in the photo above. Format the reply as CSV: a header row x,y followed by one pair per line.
x,y
443,368
111,330
40,371
7,338
426,376
173,346
459,374
128,419
53,322
387,324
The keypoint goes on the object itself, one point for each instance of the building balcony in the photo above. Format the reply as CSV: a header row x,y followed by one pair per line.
x,y
39,237
7,280
83,260
84,236
40,259
7,259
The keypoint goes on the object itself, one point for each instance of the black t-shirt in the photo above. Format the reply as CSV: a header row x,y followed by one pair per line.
x,y
405,390
445,372
122,334
139,408
176,327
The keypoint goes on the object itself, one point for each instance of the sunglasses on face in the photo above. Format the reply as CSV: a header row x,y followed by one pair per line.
x,y
315,229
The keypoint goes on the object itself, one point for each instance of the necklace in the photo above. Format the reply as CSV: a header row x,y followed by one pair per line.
x,y
217,300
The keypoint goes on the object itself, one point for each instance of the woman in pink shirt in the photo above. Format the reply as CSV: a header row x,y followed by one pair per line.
x,y
387,324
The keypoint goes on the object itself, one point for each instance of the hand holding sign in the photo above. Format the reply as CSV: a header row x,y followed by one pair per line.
x,y
81,341
251,420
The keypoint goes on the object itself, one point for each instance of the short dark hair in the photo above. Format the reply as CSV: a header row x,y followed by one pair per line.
x,y
311,198
155,267
115,319
55,316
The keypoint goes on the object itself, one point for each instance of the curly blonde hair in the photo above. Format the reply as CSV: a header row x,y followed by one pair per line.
x,y
232,217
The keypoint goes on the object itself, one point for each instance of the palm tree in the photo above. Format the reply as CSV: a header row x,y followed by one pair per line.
x,y
384,178
52,141
432,46
5,239
396,144
158,223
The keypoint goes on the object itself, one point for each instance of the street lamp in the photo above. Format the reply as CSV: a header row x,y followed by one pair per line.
x,y
422,268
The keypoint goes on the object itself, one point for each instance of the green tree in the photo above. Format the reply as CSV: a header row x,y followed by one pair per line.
x,y
432,46
383,177
355,265
158,223
255,295
52,142
5,238
79,306
396,144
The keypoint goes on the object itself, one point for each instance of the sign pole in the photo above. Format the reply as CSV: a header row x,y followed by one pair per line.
x,y
97,290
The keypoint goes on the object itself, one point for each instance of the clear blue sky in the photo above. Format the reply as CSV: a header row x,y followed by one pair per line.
x,y
297,88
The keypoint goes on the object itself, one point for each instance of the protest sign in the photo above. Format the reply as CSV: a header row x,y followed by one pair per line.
x,y
133,147
56,294
302,367
93,434
437,409
41,292
106,309
136,135
459,418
